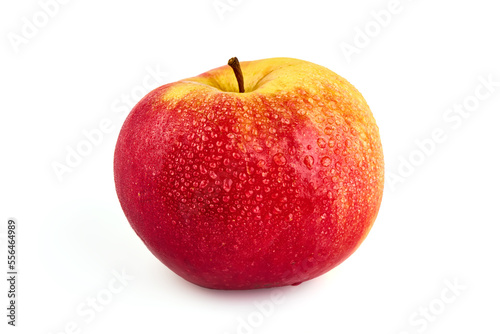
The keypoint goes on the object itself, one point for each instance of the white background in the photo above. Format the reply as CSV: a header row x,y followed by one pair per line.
x,y
438,224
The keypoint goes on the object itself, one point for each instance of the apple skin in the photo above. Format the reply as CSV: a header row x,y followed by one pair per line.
x,y
270,187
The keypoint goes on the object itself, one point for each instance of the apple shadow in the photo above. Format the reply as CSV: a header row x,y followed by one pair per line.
x,y
182,285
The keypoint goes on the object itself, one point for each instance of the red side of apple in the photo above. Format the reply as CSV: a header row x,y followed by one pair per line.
x,y
234,193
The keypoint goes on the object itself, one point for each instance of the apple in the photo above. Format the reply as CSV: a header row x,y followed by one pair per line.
x,y
254,175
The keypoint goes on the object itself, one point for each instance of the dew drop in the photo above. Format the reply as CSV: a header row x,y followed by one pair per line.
x,y
212,174
261,163
226,184
258,148
203,170
321,143
203,183
309,161
326,161
279,159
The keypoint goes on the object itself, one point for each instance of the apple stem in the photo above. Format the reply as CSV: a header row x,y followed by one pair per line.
x,y
235,65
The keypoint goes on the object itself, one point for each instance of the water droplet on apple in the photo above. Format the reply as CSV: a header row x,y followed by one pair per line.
x,y
226,184
326,161
256,209
258,148
309,161
269,142
321,143
279,159
236,155
203,183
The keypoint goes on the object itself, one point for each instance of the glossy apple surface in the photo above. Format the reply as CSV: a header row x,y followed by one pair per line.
x,y
270,187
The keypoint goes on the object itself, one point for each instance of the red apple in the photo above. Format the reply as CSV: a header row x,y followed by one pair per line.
x,y
268,178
